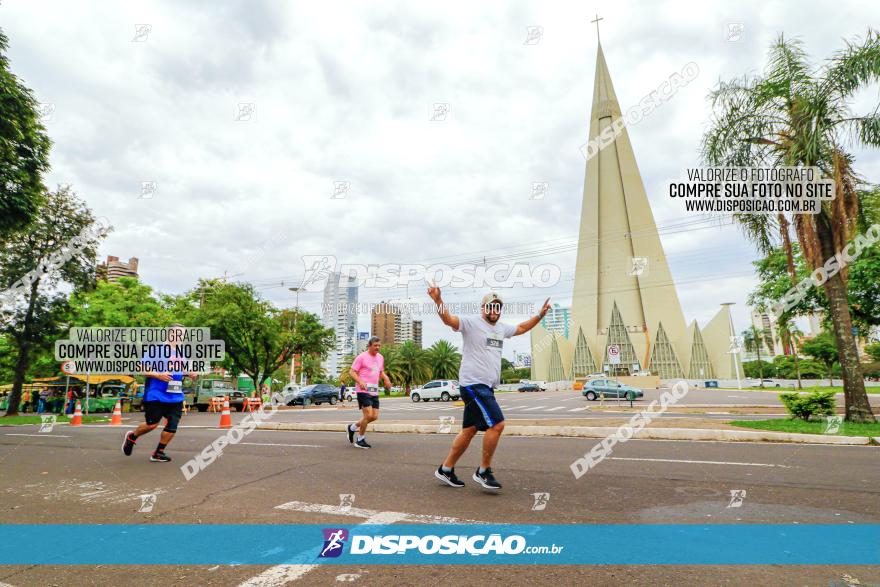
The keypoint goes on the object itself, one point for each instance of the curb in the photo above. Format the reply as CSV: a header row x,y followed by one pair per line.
x,y
590,432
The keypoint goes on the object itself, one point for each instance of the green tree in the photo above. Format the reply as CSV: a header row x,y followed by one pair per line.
x,y
756,369
774,282
873,350
38,259
823,349
406,365
754,340
798,115
126,302
314,371
444,360
790,337
24,150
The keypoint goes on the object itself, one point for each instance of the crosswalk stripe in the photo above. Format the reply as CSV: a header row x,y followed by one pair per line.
x,y
556,408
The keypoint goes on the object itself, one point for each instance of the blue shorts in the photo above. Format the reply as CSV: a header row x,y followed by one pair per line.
x,y
481,409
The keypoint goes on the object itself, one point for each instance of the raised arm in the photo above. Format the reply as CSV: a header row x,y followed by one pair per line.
x,y
524,327
448,319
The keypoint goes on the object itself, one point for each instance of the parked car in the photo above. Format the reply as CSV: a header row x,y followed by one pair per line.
x,y
288,391
530,387
438,390
316,394
766,383
611,389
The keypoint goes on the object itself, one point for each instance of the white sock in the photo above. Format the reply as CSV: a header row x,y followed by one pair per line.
x,y
360,438
352,427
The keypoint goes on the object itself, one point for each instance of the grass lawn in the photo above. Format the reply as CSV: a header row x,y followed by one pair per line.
x,y
35,419
801,427
807,388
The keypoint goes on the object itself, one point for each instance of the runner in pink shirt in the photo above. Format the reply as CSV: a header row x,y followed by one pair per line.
x,y
366,370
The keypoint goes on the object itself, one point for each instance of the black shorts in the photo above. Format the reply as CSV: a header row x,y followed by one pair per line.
x,y
154,412
481,409
365,400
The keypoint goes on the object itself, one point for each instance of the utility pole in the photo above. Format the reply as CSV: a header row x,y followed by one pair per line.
x,y
295,290
734,346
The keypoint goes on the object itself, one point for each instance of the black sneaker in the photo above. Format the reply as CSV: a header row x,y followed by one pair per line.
x,y
362,443
350,434
128,443
160,457
448,478
486,479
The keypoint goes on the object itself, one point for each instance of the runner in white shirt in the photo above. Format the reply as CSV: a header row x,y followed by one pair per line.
x,y
480,372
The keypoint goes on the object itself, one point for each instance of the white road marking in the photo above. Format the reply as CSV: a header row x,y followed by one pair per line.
x,y
275,444
556,408
283,574
700,462
38,435
303,506
533,408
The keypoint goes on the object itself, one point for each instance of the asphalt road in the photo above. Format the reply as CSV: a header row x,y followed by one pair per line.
x,y
715,404
79,475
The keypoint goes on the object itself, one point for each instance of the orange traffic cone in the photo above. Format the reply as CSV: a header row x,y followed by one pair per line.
x,y
77,419
225,416
116,420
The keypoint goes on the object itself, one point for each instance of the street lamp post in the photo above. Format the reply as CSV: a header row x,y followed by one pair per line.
x,y
734,347
295,290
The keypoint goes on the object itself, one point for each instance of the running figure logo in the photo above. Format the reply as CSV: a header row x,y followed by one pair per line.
x,y
541,500
737,496
832,424
346,500
334,540
446,423
318,269
148,500
47,422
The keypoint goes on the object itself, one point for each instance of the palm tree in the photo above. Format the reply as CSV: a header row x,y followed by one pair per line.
x,y
798,115
790,337
444,359
345,372
406,364
753,341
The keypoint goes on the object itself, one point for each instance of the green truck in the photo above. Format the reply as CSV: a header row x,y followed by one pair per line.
x,y
205,389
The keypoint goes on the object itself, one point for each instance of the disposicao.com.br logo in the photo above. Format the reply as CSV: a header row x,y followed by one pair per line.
x,y
320,268
450,544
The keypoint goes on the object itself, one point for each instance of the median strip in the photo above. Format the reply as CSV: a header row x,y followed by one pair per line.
x,y
577,431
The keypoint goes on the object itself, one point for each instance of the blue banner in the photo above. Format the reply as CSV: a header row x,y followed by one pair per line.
x,y
471,544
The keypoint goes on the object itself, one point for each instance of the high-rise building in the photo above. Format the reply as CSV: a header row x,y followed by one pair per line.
x,y
383,321
417,332
362,340
557,319
771,344
112,269
340,314
624,294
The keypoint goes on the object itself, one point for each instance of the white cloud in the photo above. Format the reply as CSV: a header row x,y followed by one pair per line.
x,y
345,91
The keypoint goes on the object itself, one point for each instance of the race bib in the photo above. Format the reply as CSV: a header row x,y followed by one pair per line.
x,y
495,342
175,386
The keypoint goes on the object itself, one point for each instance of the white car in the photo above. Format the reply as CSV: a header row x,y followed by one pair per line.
x,y
437,390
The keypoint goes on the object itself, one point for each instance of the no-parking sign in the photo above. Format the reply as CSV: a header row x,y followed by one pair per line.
x,y
614,354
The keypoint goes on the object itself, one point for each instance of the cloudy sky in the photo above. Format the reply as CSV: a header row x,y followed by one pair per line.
x,y
346,92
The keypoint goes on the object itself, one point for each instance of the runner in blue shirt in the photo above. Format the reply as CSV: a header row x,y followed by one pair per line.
x,y
163,398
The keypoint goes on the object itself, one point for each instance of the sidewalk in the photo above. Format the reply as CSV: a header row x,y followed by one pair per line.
x,y
689,430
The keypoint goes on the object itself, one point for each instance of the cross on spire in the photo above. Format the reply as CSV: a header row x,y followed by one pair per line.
x,y
596,20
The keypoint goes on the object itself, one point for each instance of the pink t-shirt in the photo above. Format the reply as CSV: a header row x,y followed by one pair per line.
x,y
368,367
